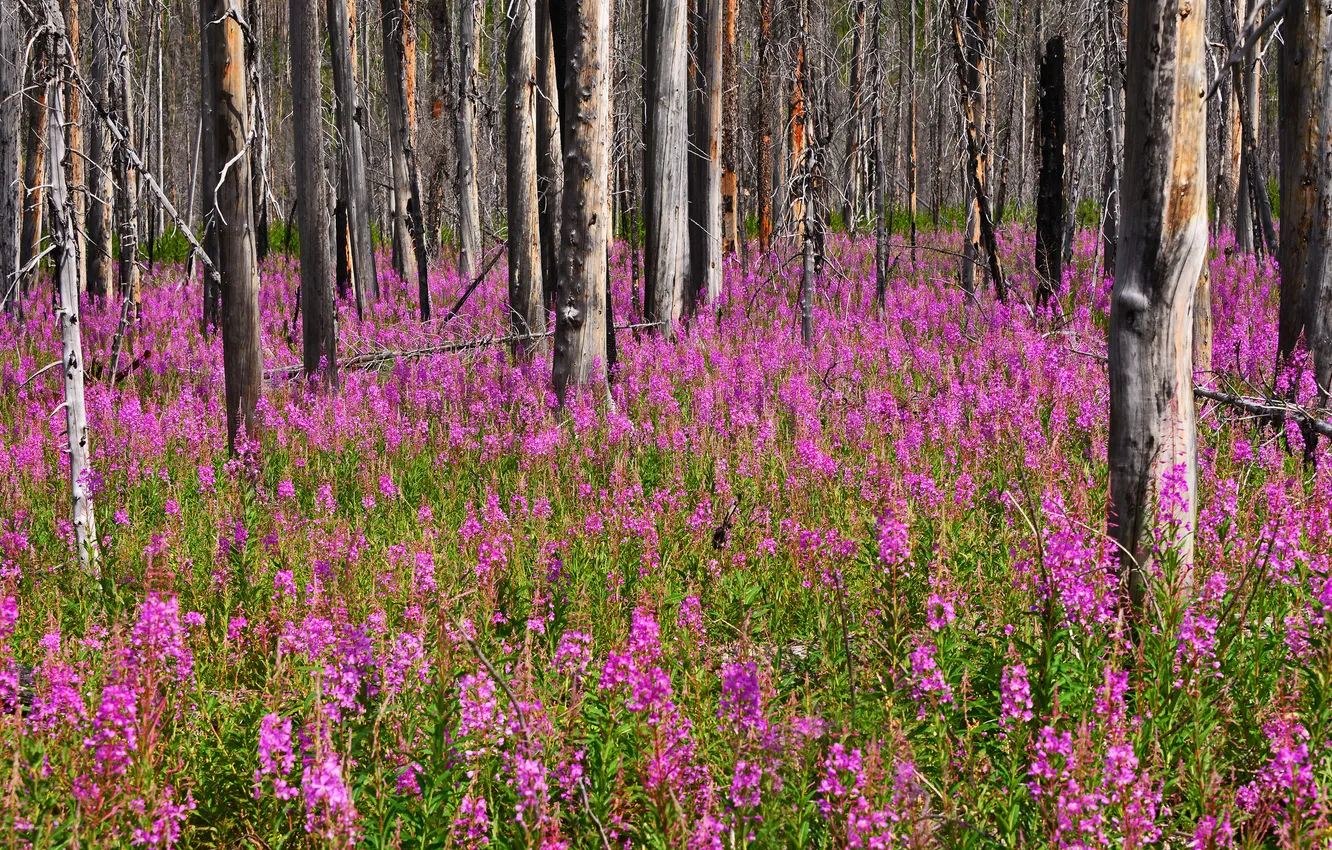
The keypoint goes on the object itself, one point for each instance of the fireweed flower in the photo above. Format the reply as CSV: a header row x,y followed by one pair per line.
x,y
928,685
329,811
276,758
164,831
159,638
742,700
115,730
1014,696
472,826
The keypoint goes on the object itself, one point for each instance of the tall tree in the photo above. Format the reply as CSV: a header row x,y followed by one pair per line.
x,y
228,97
527,310
352,182
665,188
1050,192
855,125
127,178
1297,117
1114,133
1247,93
973,57
580,312
730,146
319,323
705,236
469,206
11,79
74,133
34,172
911,127
1317,307
212,288
1152,446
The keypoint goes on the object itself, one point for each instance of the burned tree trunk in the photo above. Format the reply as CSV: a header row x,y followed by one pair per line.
x,y
730,178
850,203
765,102
127,179
1246,90
212,290
1114,136
580,314
1152,446
101,196
64,240
1317,305
352,181
34,174
228,97
969,53
399,66
665,136
11,79
1297,117
319,323
705,248
880,158
74,135
550,161
1050,192
527,310
911,128
469,207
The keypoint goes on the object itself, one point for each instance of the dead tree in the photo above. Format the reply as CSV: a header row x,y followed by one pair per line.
x,y
101,195
1152,446
527,311
228,96
1298,80
319,322
665,137
399,79
1050,192
74,132
580,314
1114,135
705,248
762,124
881,211
1317,307
550,160
1247,106
352,183
969,52
65,253
469,208
210,168
34,172
127,177
855,126
911,128
11,79
730,146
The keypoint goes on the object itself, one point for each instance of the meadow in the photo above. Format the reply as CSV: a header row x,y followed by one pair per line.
x,y
757,595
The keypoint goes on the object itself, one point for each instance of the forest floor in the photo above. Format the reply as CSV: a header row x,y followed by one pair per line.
x,y
858,595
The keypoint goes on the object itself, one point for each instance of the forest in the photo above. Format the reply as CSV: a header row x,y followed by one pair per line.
x,y
685,424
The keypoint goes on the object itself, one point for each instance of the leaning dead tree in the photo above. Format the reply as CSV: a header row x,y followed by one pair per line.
x,y
665,207
11,51
228,98
527,310
65,253
580,309
1153,445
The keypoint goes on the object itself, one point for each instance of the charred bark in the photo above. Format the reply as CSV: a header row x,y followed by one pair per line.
x,y
527,310
665,162
1050,192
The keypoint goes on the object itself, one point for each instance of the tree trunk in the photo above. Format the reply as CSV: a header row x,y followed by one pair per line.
x,y
352,181
1152,446
855,121
730,148
1297,116
1202,322
763,106
580,315
880,210
34,173
705,247
1114,136
227,93
1317,305
11,80
1247,93
319,323
469,208
101,195
911,129
969,54
1227,137
74,132
398,44
665,137
802,168
64,239
1050,192
550,161
127,180
212,291
527,310
259,140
